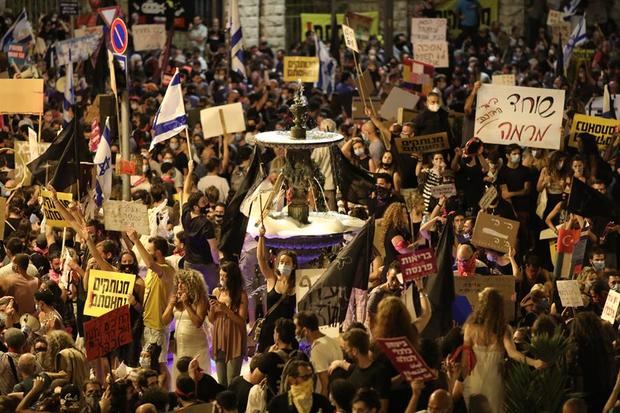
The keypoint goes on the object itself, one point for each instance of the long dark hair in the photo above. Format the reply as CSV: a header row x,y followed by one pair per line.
x,y
293,255
234,283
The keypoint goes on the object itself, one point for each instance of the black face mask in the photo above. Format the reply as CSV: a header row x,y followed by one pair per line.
x,y
204,210
129,268
382,193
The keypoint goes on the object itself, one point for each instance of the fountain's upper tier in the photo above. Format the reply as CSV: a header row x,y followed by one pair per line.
x,y
314,139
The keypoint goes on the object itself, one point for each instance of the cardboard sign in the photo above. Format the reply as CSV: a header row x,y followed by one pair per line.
x,y
610,311
601,128
358,108
555,18
106,291
405,115
506,80
52,215
124,215
470,286
494,232
305,69
418,264
21,95
446,190
432,53
349,38
107,333
220,120
367,84
570,296
428,30
148,36
487,198
418,73
405,358
398,98
76,49
526,116
424,143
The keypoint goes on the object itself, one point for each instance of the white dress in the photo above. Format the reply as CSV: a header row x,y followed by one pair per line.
x,y
486,377
191,341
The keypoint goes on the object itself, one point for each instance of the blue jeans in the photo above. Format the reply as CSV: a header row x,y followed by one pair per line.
x,y
209,272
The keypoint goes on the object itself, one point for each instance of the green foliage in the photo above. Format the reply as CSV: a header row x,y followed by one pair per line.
x,y
544,390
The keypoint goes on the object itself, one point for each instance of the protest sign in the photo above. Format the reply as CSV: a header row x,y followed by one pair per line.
x,y
365,24
148,36
506,80
594,107
601,128
358,108
446,190
405,115
405,358
424,143
526,116
418,74
17,53
488,197
398,98
52,215
28,153
428,30
107,333
367,85
432,53
85,31
472,285
125,167
349,38
76,49
21,95
561,32
494,232
124,215
301,68
418,264
570,296
106,291
555,18
303,281
610,311
223,119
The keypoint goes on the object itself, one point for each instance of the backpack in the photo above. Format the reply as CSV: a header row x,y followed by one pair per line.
x,y
74,363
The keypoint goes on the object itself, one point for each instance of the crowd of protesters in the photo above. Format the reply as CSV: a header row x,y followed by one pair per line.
x,y
192,311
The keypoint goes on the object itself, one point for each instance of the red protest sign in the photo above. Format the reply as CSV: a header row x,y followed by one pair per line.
x,y
418,264
126,167
107,332
406,359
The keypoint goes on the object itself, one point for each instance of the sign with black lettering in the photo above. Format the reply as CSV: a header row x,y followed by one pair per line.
x,y
424,143
52,215
106,291
601,128
418,264
107,333
69,7
301,68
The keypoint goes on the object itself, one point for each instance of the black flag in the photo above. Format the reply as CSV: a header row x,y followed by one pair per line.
x,y
329,297
60,163
235,223
588,202
441,286
355,183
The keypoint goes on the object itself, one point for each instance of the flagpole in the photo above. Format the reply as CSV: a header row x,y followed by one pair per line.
x,y
189,144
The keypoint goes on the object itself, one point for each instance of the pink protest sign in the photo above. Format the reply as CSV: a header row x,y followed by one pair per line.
x,y
418,264
406,359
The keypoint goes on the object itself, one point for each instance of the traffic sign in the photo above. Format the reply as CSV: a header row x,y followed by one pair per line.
x,y
118,36
108,14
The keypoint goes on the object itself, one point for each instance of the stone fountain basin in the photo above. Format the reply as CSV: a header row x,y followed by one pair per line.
x,y
280,225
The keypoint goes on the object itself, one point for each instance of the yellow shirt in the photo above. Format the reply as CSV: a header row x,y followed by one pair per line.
x,y
156,296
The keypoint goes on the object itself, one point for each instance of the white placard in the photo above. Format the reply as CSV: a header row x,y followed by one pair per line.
x,y
76,49
349,38
526,116
610,311
570,296
425,30
148,36
432,53
506,80
398,98
124,215
218,120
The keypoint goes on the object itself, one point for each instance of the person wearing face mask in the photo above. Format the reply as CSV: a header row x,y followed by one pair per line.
x,y
466,262
280,289
597,261
130,353
299,396
551,180
356,151
433,119
388,167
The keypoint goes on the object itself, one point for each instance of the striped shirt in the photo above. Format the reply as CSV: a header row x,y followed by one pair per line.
x,y
432,180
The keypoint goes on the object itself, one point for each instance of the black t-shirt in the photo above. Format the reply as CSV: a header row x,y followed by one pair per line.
x,y
198,230
375,376
180,161
241,388
271,365
207,388
280,404
515,179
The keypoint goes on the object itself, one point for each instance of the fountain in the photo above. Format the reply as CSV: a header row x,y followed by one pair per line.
x,y
307,232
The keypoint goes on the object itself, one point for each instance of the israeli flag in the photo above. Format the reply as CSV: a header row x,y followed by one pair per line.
x,y
103,163
571,9
577,37
19,32
69,95
327,72
236,40
170,118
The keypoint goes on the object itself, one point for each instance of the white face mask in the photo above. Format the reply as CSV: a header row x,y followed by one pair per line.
x,y
285,270
515,158
358,152
167,161
433,107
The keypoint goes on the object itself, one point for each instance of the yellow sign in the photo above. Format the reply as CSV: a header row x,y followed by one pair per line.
x,y
301,68
107,291
489,12
52,215
321,24
601,128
